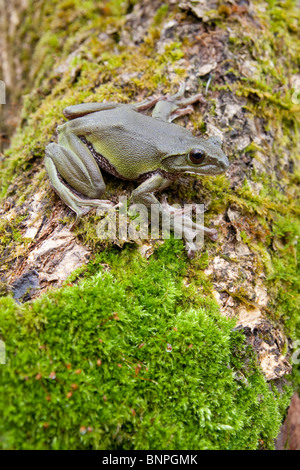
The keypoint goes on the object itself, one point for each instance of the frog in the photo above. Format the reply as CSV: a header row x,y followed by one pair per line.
x,y
123,140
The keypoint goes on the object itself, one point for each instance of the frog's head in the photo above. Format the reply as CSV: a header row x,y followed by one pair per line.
x,y
204,157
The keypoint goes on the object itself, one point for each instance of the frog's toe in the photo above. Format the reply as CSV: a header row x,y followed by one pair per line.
x,y
181,91
181,112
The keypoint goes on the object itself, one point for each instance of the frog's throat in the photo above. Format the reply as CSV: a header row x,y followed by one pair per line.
x,y
108,167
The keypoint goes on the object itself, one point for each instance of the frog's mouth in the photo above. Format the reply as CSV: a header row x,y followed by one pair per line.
x,y
208,170
211,166
215,169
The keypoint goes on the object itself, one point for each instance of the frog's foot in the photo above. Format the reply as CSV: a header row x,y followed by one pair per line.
x,y
187,210
183,225
180,101
181,112
147,103
84,206
193,234
170,209
177,105
211,233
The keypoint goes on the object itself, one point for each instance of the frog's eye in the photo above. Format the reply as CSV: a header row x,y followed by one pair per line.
x,y
197,156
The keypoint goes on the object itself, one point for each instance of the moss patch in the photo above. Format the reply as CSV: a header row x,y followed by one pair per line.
x,y
130,362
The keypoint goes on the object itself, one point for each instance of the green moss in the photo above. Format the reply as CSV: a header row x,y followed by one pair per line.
x,y
90,366
285,275
12,244
160,14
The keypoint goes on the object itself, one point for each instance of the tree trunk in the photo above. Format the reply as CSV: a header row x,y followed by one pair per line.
x,y
243,57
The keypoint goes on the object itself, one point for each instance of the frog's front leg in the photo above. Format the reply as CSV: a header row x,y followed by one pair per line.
x,y
73,172
179,221
143,194
79,110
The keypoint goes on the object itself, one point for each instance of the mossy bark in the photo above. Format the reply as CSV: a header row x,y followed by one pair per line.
x,y
243,57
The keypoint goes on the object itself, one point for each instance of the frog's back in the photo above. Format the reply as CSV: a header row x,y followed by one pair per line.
x,y
126,122
132,142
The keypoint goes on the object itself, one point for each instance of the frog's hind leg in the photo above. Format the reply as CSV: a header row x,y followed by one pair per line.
x,y
79,110
177,105
146,104
71,165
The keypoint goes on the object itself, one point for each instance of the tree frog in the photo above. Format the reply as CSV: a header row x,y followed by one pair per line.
x,y
131,145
